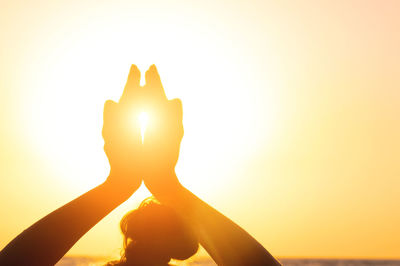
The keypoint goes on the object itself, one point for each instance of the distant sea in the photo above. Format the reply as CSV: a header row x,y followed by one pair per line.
x,y
81,261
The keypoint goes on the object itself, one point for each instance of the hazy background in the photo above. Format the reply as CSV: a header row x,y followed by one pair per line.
x,y
291,114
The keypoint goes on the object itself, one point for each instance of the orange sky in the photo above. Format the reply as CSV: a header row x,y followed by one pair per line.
x,y
291,113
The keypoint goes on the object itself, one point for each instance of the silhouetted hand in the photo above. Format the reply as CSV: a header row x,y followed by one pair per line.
x,y
162,138
226,242
121,133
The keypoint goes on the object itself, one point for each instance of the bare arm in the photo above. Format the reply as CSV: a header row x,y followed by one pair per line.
x,y
47,241
225,241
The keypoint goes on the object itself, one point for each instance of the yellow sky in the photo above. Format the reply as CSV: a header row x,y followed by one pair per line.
x,y
291,113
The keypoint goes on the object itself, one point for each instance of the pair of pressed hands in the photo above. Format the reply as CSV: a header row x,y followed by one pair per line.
x,y
154,159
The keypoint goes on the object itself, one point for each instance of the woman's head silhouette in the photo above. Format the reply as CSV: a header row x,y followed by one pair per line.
x,y
154,234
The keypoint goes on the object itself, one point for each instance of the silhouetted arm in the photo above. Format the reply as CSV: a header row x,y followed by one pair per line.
x,y
47,241
226,242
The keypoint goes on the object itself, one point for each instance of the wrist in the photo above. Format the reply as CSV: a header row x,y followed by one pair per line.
x,y
117,187
171,191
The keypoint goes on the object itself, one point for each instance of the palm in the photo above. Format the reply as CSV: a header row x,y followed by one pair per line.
x,y
163,136
122,140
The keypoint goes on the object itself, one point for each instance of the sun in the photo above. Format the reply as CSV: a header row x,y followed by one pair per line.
x,y
143,119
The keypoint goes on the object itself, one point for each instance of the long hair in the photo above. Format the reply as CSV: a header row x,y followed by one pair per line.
x,y
154,234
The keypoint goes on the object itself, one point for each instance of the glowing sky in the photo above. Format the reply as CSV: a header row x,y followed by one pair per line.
x,y
291,113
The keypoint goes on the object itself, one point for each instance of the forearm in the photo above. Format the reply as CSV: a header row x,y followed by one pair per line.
x,y
226,242
47,241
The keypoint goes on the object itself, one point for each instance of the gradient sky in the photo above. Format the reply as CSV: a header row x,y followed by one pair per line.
x,y
291,114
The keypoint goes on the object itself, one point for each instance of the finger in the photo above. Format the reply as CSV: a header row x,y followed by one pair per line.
x,y
177,113
153,83
176,107
132,85
110,108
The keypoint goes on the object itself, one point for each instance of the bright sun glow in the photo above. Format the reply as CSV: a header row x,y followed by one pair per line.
x,y
143,120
